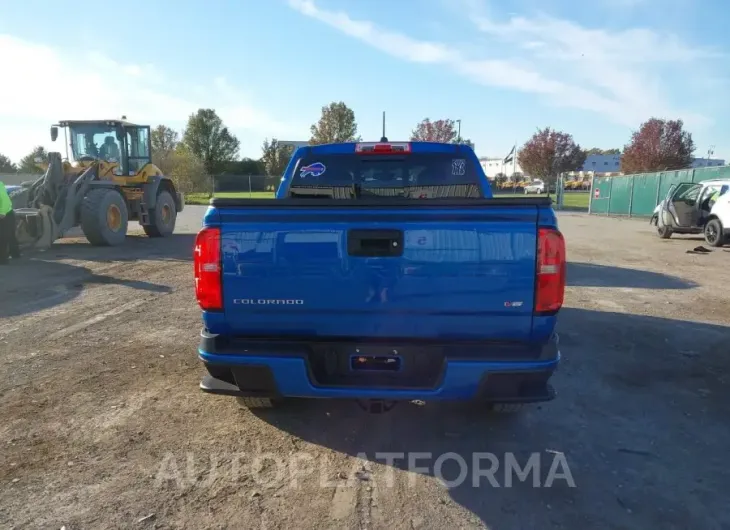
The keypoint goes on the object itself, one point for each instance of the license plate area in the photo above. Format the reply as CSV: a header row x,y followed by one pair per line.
x,y
383,363
376,365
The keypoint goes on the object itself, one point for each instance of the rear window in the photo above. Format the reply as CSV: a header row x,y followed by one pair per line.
x,y
413,175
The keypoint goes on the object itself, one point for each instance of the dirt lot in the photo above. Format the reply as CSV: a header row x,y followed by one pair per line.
x,y
102,424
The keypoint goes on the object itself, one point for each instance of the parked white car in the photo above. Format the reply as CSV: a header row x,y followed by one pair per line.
x,y
536,186
696,208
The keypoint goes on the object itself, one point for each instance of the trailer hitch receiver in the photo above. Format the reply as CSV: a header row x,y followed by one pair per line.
x,y
376,406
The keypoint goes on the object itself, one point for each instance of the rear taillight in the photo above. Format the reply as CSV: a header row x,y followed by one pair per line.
x,y
207,266
550,287
381,148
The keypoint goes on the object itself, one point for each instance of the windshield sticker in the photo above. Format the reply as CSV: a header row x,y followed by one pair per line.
x,y
458,166
316,169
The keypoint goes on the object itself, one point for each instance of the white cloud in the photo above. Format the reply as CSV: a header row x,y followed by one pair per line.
x,y
48,85
628,66
571,66
568,40
533,44
389,42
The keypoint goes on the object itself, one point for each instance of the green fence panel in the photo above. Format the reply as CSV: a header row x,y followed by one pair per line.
x,y
672,178
707,173
601,195
620,195
644,197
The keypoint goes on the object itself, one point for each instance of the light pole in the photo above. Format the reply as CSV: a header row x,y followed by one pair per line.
x,y
458,134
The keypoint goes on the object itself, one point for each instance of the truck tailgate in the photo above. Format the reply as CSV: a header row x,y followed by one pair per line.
x,y
379,272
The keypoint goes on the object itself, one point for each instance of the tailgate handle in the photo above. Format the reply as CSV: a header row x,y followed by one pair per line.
x,y
375,243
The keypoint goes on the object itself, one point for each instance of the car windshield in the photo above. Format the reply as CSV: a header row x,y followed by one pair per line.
x,y
413,175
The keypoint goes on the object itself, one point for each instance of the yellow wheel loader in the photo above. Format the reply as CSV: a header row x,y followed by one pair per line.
x,y
106,180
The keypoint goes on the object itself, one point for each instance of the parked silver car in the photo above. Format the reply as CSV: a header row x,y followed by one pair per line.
x,y
536,186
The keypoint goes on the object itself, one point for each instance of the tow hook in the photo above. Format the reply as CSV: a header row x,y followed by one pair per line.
x,y
376,406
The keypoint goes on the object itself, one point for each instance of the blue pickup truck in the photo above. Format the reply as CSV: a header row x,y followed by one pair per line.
x,y
382,272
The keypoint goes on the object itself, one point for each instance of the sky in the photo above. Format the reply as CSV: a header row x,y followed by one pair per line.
x,y
505,68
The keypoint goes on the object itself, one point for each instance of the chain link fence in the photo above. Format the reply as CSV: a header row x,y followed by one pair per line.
x,y
246,183
189,183
226,184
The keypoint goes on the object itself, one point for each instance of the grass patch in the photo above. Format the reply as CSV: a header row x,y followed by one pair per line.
x,y
572,200
577,200
204,198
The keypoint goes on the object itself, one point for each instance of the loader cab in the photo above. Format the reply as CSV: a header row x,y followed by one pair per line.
x,y
114,141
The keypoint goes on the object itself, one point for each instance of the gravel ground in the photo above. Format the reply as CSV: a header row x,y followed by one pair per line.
x,y
102,424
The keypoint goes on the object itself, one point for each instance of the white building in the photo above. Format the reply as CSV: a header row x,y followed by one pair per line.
x,y
602,164
493,166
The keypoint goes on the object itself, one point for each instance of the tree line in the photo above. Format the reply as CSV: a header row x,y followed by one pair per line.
x,y
26,164
207,147
658,145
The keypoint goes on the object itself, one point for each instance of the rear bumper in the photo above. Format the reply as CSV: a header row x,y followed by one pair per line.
x,y
278,372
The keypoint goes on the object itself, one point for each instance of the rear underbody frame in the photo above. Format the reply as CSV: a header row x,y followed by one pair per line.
x,y
491,371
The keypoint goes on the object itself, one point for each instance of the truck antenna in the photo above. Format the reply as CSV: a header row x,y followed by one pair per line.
x,y
383,138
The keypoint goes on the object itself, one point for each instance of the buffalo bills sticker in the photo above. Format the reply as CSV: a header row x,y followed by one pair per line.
x,y
458,166
316,169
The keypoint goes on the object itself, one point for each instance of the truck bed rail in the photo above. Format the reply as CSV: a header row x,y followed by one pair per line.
x,y
380,203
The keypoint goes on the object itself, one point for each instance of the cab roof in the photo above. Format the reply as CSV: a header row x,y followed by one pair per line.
x,y
113,122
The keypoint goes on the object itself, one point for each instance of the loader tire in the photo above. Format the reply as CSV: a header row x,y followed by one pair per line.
x,y
162,216
104,217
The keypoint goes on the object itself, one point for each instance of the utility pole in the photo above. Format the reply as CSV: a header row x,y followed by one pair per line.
x,y
458,134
